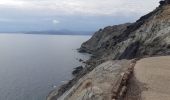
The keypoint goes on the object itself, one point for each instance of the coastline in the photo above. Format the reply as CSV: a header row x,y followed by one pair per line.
x,y
90,64
65,89
117,45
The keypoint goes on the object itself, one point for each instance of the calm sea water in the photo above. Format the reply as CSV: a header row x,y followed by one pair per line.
x,y
30,65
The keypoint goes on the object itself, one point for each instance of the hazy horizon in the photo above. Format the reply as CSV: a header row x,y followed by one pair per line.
x,y
79,15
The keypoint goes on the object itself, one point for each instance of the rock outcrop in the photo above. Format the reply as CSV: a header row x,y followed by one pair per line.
x,y
106,82
102,38
148,36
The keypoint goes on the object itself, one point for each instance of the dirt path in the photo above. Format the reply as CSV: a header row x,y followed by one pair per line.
x,y
151,80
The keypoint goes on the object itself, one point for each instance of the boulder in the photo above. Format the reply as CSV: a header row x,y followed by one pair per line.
x,y
77,70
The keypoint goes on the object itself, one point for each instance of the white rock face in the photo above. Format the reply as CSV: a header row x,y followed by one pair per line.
x,y
98,84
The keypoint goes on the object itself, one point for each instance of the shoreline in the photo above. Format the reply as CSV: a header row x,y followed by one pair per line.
x,y
62,90
90,64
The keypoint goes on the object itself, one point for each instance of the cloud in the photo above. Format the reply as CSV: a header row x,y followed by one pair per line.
x,y
84,7
70,14
55,21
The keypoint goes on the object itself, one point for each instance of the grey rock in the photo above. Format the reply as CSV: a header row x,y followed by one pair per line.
x,y
77,70
148,36
99,83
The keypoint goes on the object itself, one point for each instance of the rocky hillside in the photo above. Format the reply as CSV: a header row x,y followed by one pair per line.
x,y
148,36
102,38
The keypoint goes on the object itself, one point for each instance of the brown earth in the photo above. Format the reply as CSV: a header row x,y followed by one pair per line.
x,y
151,79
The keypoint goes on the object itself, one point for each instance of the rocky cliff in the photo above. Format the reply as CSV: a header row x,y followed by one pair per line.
x,y
108,81
148,36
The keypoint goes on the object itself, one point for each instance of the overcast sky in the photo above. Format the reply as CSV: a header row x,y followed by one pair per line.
x,y
28,15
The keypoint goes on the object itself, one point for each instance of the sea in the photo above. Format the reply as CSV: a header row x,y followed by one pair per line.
x,y
33,65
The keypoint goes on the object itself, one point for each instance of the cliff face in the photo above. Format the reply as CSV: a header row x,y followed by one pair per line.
x,y
105,82
148,36
102,38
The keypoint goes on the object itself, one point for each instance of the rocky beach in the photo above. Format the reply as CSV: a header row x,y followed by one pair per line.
x,y
129,62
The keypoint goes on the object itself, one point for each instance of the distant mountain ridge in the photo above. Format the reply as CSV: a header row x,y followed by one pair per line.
x,y
61,32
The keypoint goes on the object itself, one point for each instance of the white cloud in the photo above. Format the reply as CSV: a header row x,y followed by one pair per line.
x,y
85,7
11,2
55,21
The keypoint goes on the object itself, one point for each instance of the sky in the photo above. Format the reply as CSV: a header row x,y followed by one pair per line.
x,y
80,15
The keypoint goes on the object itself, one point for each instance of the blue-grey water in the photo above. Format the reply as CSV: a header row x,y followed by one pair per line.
x,y
30,65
